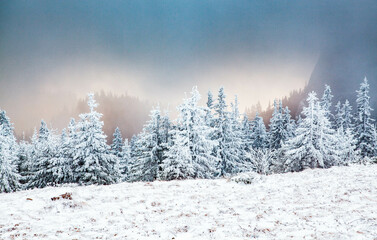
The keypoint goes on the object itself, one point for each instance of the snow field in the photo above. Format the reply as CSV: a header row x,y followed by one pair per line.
x,y
336,203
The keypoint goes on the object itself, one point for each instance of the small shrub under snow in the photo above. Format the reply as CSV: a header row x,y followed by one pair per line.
x,y
247,178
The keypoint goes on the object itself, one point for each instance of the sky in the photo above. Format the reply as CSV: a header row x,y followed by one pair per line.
x,y
54,52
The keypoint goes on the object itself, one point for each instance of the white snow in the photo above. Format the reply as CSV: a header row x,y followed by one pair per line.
x,y
336,203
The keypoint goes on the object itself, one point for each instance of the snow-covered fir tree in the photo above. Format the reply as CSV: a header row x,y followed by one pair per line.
x,y
346,147
44,153
326,102
9,177
178,161
314,143
125,160
338,121
190,155
343,116
258,133
24,161
93,162
230,143
364,122
347,116
246,133
289,125
60,165
147,153
275,135
117,145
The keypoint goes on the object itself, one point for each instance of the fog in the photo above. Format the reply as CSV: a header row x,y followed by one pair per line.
x,y
53,52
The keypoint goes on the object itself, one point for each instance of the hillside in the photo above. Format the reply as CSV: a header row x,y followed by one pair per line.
x,y
336,203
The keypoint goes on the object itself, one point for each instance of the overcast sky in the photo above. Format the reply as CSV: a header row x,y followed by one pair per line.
x,y
52,52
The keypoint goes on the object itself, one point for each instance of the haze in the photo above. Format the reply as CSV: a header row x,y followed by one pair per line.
x,y
54,52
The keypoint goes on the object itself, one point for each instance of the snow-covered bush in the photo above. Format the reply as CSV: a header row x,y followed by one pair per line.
x,y
247,177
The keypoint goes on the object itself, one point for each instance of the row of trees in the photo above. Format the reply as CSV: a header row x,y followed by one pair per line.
x,y
203,142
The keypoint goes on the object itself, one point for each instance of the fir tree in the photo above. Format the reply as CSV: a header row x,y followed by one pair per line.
x,y
230,144
60,168
94,164
346,147
246,133
45,152
364,122
125,161
24,162
190,155
147,155
347,117
275,135
117,145
326,101
259,134
289,125
314,143
9,177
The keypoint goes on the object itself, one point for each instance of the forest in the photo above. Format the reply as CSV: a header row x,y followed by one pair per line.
x,y
204,142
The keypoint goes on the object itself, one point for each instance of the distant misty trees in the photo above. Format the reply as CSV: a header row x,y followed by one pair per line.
x,y
203,142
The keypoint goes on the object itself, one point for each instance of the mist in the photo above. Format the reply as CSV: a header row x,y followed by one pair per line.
x,y
52,52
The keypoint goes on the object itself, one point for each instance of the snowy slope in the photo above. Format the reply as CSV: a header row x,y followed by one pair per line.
x,y
337,203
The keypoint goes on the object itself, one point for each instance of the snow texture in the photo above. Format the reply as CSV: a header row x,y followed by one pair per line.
x,y
335,203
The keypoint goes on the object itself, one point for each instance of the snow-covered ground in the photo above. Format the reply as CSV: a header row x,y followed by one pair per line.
x,y
337,203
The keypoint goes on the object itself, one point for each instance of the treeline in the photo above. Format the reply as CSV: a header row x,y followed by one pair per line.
x,y
203,142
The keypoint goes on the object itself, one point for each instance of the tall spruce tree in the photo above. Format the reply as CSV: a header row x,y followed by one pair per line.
x,y
94,164
246,133
9,177
147,153
326,102
314,143
117,145
364,122
346,147
258,133
60,164
45,151
275,135
190,155
125,161
229,149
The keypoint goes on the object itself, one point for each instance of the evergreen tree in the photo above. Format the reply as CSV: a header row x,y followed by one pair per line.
x,y
326,101
125,161
246,133
178,161
44,153
289,125
314,143
210,100
147,155
338,123
94,164
347,117
60,168
258,133
346,147
230,143
117,145
190,155
24,162
364,122
9,177
275,135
